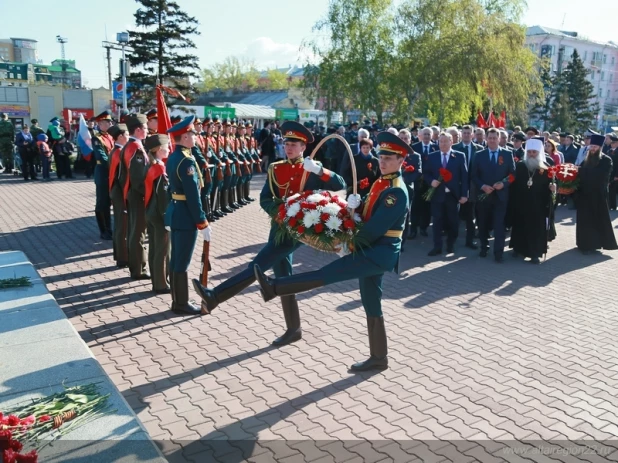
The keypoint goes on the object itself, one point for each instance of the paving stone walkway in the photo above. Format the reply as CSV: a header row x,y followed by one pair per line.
x,y
487,360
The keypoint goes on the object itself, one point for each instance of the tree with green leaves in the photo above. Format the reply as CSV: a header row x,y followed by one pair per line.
x,y
542,105
578,93
161,42
357,56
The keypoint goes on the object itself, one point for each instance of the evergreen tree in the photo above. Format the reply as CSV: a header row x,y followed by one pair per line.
x,y
163,35
580,92
542,107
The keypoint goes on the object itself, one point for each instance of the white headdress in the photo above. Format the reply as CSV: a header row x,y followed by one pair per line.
x,y
535,144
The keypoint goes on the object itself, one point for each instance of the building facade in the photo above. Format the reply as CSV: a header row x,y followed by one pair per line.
x,y
601,60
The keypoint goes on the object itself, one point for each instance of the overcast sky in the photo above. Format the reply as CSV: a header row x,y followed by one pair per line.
x,y
269,33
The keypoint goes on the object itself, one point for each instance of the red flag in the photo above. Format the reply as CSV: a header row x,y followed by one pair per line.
x,y
492,122
163,115
173,92
502,120
480,121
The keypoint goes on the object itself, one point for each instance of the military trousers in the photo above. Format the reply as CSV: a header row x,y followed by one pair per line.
x,y
101,182
158,252
137,234
183,244
121,218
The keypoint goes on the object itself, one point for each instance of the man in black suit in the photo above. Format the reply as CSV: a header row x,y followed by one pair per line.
x,y
467,210
479,137
491,170
569,150
448,195
504,141
421,209
344,169
518,150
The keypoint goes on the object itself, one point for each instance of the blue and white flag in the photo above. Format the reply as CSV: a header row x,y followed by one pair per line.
x,y
84,139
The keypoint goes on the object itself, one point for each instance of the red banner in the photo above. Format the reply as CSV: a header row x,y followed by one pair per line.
x,y
70,114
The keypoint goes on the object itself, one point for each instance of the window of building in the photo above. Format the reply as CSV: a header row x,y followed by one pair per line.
x,y
585,55
604,59
600,93
613,59
611,77
607,94
602,75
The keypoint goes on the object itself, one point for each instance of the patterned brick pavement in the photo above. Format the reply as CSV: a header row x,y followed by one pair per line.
x,y
484,356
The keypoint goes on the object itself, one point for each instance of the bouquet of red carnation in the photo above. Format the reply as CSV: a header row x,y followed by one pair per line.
x,y
566,176
509,179
408,168
445,176
319,219
364,183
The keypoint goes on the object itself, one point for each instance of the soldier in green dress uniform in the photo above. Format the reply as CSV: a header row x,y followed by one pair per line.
x,y
184,215
156,201
216,171
120,134
102,146
229,144
255,156
383,212
227,168
284,180
134,165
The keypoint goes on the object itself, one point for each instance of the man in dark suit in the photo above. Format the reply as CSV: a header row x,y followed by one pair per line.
x,y
491,169
448,195
569,150
479,137
518,150
344,169
421,209
467,210
412,172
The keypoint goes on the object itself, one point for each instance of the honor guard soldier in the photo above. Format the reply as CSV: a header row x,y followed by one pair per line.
x,y
227,168
255,156
184,215
244,162
284,180
156,200
199,152
102,145
120,134
132,174
216,171
153,122
384,212
230,149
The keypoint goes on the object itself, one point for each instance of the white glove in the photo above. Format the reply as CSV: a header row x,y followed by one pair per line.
x,y
342,251
207,233
168,228
208,154
354,201
311,166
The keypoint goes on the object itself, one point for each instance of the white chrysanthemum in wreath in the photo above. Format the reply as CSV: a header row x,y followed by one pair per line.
x,y
293,197
332,209
311,218
333,223
293,210
316,198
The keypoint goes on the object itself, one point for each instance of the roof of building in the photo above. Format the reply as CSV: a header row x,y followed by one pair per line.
x,y
24,39
255,98
542,30
253,111
290,71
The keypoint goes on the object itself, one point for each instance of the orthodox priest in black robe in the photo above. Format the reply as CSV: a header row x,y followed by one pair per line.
x,y
531,201
594,226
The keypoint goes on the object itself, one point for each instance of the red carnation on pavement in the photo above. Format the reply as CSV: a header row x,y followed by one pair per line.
x,y
44,418
9,456
364,183
5,439
12,420
30,457
292,222
28,421
15,445
349,224
301,230
319,228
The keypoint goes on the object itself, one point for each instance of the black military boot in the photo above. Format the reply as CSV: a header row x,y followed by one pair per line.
x,y
226,290
292,322
101,224
239,195
107,221
225,207
248,191
181,302
232,198
173,307
378,359
285,286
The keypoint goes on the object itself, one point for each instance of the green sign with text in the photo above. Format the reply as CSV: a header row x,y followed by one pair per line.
x,y
223,113
286,114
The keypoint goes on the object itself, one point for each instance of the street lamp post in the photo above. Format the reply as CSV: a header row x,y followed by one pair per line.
x,y
123,39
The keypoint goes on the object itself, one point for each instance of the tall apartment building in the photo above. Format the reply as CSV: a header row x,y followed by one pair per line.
x,y
601,60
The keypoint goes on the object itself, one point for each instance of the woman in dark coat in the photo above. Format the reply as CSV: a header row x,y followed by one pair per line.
x,y
27,150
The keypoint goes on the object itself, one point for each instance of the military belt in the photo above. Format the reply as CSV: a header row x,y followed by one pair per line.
x,y
178,197
394,233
